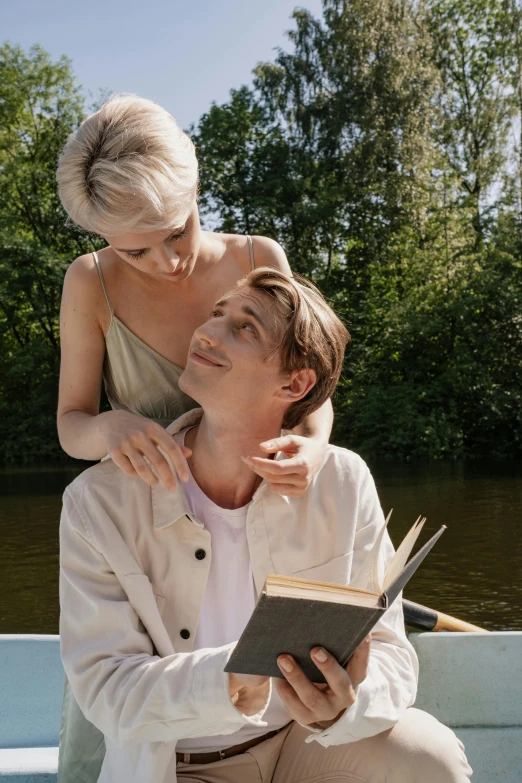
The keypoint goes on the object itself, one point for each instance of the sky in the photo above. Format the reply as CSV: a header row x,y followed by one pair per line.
x,y
182,54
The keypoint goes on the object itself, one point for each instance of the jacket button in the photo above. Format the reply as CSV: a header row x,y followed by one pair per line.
x,y
184,633
200,554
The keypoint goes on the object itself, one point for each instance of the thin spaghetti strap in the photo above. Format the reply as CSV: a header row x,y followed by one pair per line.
x,y
251,251
102,281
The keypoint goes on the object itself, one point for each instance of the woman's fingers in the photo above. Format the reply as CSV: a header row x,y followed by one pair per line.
x,y
287,443
149,452
289,490
281,478
294,471
160,465
141,467
286,470
177,454
123,462
154,453
276,467
141,447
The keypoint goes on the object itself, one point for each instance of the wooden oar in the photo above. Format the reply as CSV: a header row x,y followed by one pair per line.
x,y
418,616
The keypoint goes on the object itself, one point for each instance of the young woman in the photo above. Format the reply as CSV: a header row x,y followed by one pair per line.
x,y
130,175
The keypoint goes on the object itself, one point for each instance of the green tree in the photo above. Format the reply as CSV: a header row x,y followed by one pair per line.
x,y
378,150
391,120
473,48
39,106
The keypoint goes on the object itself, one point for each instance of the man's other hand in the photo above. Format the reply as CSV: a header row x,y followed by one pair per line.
x,y
248,692
321,705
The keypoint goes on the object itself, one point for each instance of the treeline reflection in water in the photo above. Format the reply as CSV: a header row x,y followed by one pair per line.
x,y
474,572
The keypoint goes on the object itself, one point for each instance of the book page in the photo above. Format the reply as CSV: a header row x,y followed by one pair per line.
x,y
320,591
368,572
402,554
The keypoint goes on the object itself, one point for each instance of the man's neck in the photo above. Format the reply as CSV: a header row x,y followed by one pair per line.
x,y
217,447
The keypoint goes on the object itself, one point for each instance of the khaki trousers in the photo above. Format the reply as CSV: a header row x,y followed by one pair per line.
x,y
418,749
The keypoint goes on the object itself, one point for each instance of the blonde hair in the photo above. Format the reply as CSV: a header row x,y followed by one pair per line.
x,y
313,336
128,167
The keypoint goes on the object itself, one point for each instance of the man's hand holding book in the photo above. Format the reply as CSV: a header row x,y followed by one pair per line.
x,y
317,704
312,704
307,635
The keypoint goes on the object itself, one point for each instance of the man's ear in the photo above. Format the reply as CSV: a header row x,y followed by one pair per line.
x,y
297,385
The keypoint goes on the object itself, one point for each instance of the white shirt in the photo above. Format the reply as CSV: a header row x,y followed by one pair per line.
x,y
131,592
228,602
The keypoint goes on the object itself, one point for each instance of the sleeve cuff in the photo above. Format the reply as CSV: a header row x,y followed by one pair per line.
x,y
211,694
348,727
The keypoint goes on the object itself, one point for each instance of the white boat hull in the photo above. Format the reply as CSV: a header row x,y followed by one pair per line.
x,y
470,682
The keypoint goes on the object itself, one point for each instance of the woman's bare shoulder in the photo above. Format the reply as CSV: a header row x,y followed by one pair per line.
x,y
82,288
82,271
268,252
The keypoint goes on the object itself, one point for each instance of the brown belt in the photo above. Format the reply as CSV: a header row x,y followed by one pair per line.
x,y
218,755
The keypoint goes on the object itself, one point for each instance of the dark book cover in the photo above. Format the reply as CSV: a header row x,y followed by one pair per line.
x,y
297,625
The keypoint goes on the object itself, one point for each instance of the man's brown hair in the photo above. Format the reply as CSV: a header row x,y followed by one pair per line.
x,y
313,336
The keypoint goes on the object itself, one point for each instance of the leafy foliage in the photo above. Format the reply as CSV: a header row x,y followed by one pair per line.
x,y
39,106
395,191
384,152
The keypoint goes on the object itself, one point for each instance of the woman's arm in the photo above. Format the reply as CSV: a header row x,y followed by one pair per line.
x,y
82,354
318,425
84,432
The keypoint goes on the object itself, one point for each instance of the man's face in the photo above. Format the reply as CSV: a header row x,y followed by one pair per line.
x,y
232,359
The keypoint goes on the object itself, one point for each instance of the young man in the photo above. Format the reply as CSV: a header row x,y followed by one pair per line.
x,y
157,586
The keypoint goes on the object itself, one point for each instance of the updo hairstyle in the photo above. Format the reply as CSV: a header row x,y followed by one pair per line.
x,y
128,168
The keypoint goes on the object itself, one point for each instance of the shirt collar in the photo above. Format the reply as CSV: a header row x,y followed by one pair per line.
x,y
188,419
168,507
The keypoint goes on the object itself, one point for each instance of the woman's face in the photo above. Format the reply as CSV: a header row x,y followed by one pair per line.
x,y
166,255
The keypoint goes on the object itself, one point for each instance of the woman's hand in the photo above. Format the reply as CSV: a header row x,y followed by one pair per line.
x,y
130,438
317,705
290,476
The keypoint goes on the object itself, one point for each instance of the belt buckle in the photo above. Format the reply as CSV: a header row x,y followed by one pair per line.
x,y
222,755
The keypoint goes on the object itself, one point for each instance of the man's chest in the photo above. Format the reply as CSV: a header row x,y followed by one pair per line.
x,y
177,559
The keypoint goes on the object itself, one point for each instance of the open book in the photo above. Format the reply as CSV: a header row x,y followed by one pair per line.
x,y
294,615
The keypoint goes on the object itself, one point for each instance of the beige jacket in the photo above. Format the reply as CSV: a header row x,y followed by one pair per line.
x,y
131,587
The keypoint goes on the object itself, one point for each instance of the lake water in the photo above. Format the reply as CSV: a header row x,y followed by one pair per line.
x,y
474,572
